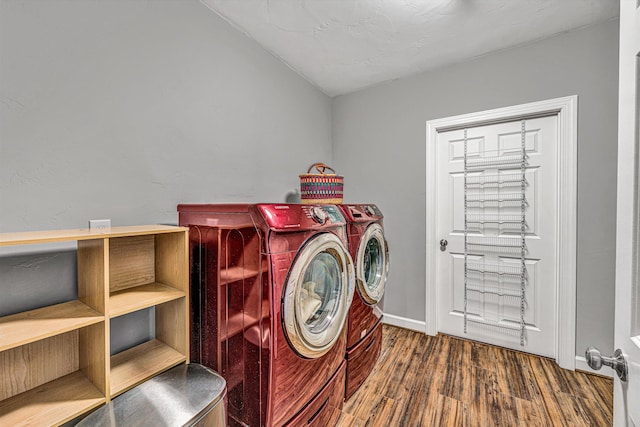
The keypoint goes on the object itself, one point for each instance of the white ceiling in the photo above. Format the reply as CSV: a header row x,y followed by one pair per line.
x,y
344,45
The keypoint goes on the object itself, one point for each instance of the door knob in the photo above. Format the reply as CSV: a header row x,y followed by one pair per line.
x,y
443,245
617,362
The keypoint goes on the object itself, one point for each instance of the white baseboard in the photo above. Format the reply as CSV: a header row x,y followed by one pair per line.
x,y
403,322
581,364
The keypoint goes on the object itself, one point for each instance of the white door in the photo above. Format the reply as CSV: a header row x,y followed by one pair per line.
x,y
627,323
494,220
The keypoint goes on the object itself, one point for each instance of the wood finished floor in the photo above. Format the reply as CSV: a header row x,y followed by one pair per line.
x,y
446,381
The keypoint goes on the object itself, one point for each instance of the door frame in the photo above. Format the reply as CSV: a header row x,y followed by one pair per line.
x,y
627,280
566,109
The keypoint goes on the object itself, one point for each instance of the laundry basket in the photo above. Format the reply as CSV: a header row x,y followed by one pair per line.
x,y
321,187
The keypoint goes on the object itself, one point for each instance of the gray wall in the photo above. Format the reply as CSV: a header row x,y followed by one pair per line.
x,y
379,145
122,110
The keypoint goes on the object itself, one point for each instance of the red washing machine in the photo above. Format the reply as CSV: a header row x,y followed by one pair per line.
x,y
271,289
370,252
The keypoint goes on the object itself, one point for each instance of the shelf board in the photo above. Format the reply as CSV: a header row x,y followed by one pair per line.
x,y
236,324
139,297
29,326
53,403
135,365
35,237
234,274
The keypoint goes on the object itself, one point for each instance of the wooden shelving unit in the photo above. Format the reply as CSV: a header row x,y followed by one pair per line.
x,y
55,360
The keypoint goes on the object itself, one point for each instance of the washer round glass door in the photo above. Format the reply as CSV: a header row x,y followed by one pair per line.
x,y
318,295
372,265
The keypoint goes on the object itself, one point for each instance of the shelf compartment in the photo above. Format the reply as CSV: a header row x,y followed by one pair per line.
x,y
496,245
137,364
52,403
496,269
131,262
37,363
494,180
145,296
243,321
236,324
495,160
30,326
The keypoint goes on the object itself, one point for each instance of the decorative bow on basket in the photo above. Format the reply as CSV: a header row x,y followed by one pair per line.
x,y
321,187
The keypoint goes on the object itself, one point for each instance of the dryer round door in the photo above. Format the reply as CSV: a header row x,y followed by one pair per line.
x,y
318,295
372,264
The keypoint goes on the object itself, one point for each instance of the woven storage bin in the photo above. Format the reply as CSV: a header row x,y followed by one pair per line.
x,y
321,187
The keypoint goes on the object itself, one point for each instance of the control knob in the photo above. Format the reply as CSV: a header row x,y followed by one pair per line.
x,y
369,210
319,215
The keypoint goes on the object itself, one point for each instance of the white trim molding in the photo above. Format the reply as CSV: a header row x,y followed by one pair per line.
x,y
403,322
566,109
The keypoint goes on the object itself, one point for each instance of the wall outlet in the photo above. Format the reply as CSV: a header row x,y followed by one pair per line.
x,y
99,224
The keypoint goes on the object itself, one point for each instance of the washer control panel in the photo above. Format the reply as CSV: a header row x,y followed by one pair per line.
x,y
326,214
297,216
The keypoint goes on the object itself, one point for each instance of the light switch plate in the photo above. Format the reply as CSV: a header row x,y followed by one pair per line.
x,y
99,224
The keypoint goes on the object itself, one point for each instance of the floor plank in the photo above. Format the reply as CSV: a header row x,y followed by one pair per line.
x,y
447,381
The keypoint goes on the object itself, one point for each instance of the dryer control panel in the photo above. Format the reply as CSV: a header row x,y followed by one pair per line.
x,y
362,213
